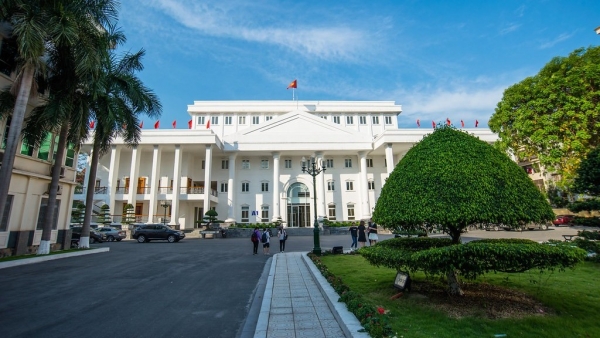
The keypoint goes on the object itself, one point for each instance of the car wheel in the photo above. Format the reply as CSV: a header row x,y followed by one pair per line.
x,y
118,240
110,238
496,228
92,240
171,239
543,227
141,239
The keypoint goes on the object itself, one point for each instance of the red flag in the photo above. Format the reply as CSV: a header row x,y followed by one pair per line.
x,y
433,124
447,121
476,123
418,123
462,123
174,123
92,124
208,124
157,124
190,124
294,84
142,124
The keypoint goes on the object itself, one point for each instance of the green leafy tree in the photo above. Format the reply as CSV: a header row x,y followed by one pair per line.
x,y
211,218
451,180
553,116
104,216
587,181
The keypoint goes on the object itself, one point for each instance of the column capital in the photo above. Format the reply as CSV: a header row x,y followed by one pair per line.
x,y
232,156
362,154
276,154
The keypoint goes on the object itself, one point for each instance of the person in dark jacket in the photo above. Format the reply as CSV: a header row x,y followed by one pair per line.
x,y
362,237
354,234
255,240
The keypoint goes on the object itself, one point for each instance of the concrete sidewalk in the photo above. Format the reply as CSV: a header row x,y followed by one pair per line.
x,y
299,302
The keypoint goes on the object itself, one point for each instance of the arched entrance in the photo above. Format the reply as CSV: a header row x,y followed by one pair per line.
x,y
298,206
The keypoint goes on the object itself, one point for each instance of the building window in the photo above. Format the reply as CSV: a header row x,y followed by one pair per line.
x,y
245,214
362,120
268,118
324,117
245,164
264,186
349,186
264,164
224,187
6,216
348,163
264,213
331,212
44,149
336,119
330,185
349,119
241,119
228,119
214,120
42,214
224,164
203,164
201,120
70,155
388,120
245,186
288,164
255,119
375,119
369,163
329,163
385,162
350,212
26,149
371,185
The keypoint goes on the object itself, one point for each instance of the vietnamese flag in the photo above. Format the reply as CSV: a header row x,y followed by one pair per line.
x,y
174,123
418,123
447,121
157,124
190,124
462,123
294,84
208,124
476,123
433,124
92,124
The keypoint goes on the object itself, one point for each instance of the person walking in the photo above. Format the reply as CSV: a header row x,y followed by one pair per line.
x,y
354,234
362,237
282,235
265,238
255,240
373,233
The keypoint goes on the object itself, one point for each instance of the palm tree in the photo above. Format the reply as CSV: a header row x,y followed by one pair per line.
x,y
37,26
119,99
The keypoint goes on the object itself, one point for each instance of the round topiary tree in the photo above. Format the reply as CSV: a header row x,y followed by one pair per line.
x,y
451,179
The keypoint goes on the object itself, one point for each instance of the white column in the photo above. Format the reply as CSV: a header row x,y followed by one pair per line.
x,y
113,175
231,190
176,185
389,158
207,172
156,156
320,193
364,190
276,199
133,175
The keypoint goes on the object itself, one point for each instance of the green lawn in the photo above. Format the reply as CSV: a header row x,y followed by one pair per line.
x,y
573,297
58,252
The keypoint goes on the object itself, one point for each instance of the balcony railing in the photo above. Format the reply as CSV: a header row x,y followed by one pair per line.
x,y
143,190
100,190
122,190
192,190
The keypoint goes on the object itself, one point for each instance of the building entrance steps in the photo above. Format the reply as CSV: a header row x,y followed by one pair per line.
x,y
299,302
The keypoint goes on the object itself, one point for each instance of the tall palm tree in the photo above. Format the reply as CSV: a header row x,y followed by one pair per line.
x,y
120,98
38,25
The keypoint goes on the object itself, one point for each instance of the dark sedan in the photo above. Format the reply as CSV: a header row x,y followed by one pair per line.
x,y
148,232
95,236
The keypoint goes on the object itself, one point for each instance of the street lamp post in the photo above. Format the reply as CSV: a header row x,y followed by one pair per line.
x,y
313,171
165,204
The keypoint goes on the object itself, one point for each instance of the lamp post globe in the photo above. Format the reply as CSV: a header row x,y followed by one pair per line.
x,y
313,170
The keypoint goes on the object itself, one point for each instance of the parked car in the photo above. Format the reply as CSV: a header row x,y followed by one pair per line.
x,y
95,236
563,220
112,234
148,232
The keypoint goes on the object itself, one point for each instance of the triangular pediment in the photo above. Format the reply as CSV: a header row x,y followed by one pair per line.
x,y
296,130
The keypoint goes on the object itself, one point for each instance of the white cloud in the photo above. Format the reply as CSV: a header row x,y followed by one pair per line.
x,y
510,28
560,38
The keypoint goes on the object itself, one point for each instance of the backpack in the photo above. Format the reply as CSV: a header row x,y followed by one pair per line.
x,y
254,237
264,237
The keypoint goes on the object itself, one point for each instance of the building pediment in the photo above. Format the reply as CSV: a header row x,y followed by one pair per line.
x,y
297,130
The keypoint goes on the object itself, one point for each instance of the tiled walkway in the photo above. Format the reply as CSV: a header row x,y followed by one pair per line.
x,y
294,304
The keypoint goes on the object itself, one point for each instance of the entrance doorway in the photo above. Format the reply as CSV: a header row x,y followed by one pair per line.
x,y
298,206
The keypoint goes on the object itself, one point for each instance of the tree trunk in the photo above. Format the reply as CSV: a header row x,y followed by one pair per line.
x,y
14,134
454,284
44,247
454,234
84,241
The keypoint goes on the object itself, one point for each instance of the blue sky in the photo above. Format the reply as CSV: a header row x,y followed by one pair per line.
x,y
438,59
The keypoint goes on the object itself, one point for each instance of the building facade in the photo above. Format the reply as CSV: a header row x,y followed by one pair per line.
x,y
244,160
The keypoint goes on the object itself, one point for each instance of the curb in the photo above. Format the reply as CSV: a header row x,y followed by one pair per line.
x,y
263,318
33,260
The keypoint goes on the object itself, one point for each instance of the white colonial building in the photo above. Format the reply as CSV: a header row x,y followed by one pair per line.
x,y
243,159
